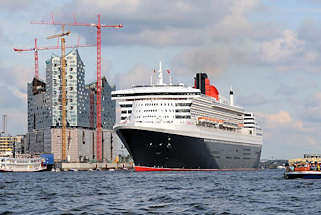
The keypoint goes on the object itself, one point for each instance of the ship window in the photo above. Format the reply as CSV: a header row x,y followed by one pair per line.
x,y
126,105
183,104
182,110
182,117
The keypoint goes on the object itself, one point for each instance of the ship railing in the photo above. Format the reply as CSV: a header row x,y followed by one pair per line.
x,y
216,123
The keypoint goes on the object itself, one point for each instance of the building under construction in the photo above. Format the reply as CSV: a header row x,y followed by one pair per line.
x,y
45,113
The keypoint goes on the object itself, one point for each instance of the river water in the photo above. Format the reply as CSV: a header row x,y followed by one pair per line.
x,y
128,192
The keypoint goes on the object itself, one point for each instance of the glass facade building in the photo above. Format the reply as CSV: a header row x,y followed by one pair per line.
x,y
44,97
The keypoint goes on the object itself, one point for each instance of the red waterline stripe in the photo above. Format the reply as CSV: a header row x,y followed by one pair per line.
x,y
145,168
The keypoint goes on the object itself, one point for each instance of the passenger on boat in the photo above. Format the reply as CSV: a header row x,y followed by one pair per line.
x,y
313,167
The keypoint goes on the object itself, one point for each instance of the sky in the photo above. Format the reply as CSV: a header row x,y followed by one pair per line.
x,y
269,51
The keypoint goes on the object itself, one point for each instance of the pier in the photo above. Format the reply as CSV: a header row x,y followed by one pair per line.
x,y
93,166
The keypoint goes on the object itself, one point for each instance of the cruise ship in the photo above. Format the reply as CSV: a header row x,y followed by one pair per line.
x,y
168,127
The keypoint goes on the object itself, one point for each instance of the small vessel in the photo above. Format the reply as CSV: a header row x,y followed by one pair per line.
x,y
22,163
310,174
305,168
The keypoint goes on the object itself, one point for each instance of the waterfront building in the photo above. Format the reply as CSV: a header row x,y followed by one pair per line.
x,y
9,145
45,105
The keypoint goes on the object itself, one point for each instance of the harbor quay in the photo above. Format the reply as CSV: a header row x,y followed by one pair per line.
x,y
93,166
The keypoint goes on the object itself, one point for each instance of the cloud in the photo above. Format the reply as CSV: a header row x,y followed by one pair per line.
x,y
286,137
309,30
9,98
286,144
152,13
282,119
17,4
138,75
17,76
213,35
211,61
14,117
283,48
252,100
311,110
287,90
163,23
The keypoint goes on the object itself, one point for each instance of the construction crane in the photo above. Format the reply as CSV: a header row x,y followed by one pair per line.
x,y
35,49
63,88
99,26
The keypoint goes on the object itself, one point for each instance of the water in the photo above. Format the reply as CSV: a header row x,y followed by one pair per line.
x,y
127,192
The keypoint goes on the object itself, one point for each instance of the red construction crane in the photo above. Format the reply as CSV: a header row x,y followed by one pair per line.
x,y
98,25
36,49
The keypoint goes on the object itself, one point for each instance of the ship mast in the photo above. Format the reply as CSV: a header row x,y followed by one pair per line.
x,y
160,74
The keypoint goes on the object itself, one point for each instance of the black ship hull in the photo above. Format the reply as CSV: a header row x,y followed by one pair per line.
x,y
154,150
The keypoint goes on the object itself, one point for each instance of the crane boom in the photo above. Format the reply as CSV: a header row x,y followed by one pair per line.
x,y
35,49
59,35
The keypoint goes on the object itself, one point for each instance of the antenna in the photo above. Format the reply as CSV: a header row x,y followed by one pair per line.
x,y
4,123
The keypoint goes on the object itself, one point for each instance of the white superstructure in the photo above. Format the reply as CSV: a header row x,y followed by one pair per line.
x,y
177,107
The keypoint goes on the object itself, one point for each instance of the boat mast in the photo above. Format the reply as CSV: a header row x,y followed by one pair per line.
x,y
160,74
